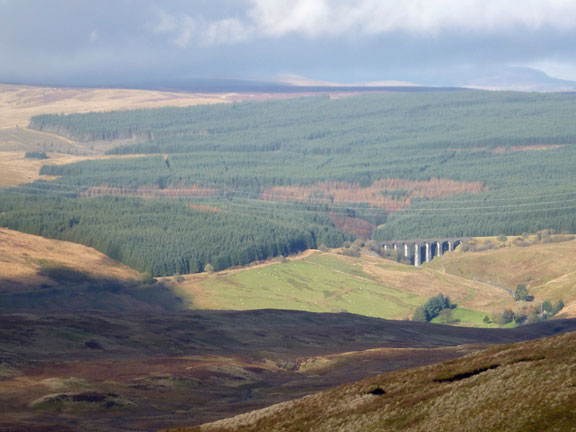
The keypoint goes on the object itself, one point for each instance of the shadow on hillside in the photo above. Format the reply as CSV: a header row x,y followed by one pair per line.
x,y
70,290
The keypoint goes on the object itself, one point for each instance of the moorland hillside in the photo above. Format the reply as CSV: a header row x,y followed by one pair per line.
x,y
150,370
527,386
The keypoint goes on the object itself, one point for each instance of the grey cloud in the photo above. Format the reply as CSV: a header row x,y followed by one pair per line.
x,y
427,41
344,18
185,30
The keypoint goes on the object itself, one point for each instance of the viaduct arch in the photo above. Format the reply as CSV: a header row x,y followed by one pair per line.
x,y
420,251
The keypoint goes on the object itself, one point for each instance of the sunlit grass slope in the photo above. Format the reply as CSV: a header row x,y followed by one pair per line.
x,y
329,282
547,269
321,283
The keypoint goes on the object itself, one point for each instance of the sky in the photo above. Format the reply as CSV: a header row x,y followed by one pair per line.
x,y
433,42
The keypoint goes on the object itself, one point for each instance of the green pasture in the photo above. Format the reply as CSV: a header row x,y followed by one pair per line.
x,y
316,284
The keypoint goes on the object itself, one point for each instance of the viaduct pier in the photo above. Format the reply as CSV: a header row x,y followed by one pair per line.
x,y
419,251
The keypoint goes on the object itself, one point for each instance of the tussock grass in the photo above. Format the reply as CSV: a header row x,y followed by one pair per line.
x,y
519,387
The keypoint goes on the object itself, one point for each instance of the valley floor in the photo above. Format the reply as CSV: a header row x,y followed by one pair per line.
x,y
114,372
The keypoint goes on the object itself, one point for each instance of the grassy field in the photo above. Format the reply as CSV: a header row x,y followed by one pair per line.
x,y
323,283
22,139
471,318
547,269
19,103
329,282
480,283
15,169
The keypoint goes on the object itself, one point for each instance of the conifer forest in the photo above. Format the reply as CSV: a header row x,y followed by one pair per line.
x,y
229,184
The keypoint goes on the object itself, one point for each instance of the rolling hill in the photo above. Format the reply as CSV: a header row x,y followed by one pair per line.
x,y
18,103
527,386
547,269
40,273
480,283
150,370
228,184
23,255
46,275
21,102
17,169
330,282
143,363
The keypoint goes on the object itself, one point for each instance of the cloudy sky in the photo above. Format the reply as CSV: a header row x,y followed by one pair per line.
x,y
425,41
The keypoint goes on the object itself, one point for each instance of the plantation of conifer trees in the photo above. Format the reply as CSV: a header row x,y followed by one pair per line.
x,y
229,184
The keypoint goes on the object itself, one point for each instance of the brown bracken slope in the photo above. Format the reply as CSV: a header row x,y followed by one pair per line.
x,y
146,371
521,387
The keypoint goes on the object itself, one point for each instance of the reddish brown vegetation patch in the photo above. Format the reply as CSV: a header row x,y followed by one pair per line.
x,y
389,194
499,150
511,149
355,226
133,369
150,191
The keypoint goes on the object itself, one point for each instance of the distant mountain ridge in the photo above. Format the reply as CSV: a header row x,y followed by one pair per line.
x,y
210,85
520,79
515,78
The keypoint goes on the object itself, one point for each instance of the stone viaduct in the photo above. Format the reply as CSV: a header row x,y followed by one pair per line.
x,y
419,251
